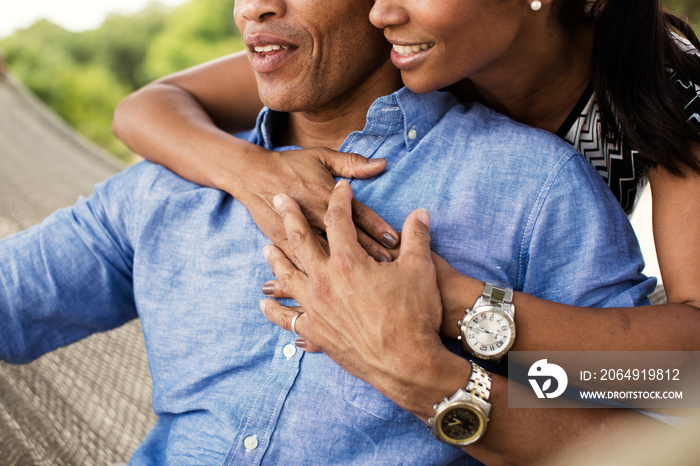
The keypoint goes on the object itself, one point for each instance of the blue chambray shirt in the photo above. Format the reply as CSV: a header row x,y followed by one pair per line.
x,y
508,203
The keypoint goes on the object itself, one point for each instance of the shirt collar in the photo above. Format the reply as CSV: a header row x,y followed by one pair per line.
x,y
418,112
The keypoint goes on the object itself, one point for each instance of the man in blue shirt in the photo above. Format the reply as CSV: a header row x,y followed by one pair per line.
x,y
230,387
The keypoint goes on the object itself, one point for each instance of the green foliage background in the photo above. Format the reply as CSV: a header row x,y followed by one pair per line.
x,y
82,76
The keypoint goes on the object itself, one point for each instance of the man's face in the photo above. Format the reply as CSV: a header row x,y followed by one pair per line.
x,y
308,53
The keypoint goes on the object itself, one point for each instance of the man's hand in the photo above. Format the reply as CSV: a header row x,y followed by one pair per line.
x,y
368,316
457,291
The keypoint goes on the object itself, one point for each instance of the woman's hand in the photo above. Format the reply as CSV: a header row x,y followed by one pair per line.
x,y
368,316
307,176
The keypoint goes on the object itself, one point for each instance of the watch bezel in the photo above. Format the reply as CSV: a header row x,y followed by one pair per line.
x,y
496,308
461,404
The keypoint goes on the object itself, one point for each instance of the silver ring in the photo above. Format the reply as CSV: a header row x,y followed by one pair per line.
x,y
294,324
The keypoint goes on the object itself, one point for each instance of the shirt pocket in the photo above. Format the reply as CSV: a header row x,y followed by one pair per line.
x,y
365,397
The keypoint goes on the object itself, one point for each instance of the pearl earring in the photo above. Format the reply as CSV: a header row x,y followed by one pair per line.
x,y
535,5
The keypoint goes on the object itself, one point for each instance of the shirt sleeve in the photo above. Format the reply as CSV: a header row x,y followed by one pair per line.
x,y
583,250
69,276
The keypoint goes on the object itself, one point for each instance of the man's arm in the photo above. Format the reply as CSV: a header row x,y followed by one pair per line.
x,y
68,277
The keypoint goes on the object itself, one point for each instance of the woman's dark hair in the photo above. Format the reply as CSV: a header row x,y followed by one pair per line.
x,y
635,51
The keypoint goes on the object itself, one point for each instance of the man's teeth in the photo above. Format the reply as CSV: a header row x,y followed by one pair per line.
x,y
406,50
269,48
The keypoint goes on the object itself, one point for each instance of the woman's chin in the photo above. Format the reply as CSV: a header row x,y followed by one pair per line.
x,y
421,84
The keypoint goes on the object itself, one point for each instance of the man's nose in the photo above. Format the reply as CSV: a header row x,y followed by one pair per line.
x,y
258,10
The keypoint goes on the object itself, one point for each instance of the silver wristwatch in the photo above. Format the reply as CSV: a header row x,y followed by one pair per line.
x,y
462,419
488,329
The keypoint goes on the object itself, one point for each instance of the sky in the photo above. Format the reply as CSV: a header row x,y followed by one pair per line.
x,y
74,15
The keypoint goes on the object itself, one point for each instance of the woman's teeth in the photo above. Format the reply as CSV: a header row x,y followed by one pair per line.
x,y
406,50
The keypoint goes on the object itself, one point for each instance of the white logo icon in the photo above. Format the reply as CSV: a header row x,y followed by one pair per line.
x,y
541,375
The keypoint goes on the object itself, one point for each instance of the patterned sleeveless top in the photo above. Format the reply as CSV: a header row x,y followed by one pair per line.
x,y
617,164
620,166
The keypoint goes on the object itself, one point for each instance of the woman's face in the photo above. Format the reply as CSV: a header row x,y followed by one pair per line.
x,y
439,42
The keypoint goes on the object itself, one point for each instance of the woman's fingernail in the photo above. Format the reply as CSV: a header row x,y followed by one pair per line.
x,y
389,240
374,161
300,343
268,289
381,256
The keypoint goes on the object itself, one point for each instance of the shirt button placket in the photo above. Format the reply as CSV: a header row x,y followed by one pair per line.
x,y
286,368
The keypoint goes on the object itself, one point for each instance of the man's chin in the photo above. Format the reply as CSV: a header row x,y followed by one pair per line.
x,y
284,103
282,108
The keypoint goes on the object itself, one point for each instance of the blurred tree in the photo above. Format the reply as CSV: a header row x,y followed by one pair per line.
x,y
82,76
40,48
687,8
86,96
121,43
83,92
196,32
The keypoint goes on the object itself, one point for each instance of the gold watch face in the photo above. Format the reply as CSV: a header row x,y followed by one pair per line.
x,y
460,424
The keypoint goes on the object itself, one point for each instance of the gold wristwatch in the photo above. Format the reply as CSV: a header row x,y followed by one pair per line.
x,y
461,419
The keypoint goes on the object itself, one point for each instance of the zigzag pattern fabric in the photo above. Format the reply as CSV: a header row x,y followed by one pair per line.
x,y
616,163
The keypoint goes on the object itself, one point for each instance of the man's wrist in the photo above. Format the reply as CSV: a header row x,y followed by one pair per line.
x,y
438,374
463,293
462,419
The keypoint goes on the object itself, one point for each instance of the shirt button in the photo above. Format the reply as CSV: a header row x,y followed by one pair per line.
x,y
289,350
250,443
412,133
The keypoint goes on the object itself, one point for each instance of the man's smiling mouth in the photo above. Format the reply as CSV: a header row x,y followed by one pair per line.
x,y
269,48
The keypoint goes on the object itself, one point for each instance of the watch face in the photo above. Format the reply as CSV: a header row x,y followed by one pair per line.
x,y
488,333
460,425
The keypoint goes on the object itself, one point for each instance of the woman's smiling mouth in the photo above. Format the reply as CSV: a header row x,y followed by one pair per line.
x,y
408,50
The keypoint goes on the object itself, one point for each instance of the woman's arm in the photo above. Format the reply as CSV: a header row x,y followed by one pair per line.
x,y
676,223
184,122
578,328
